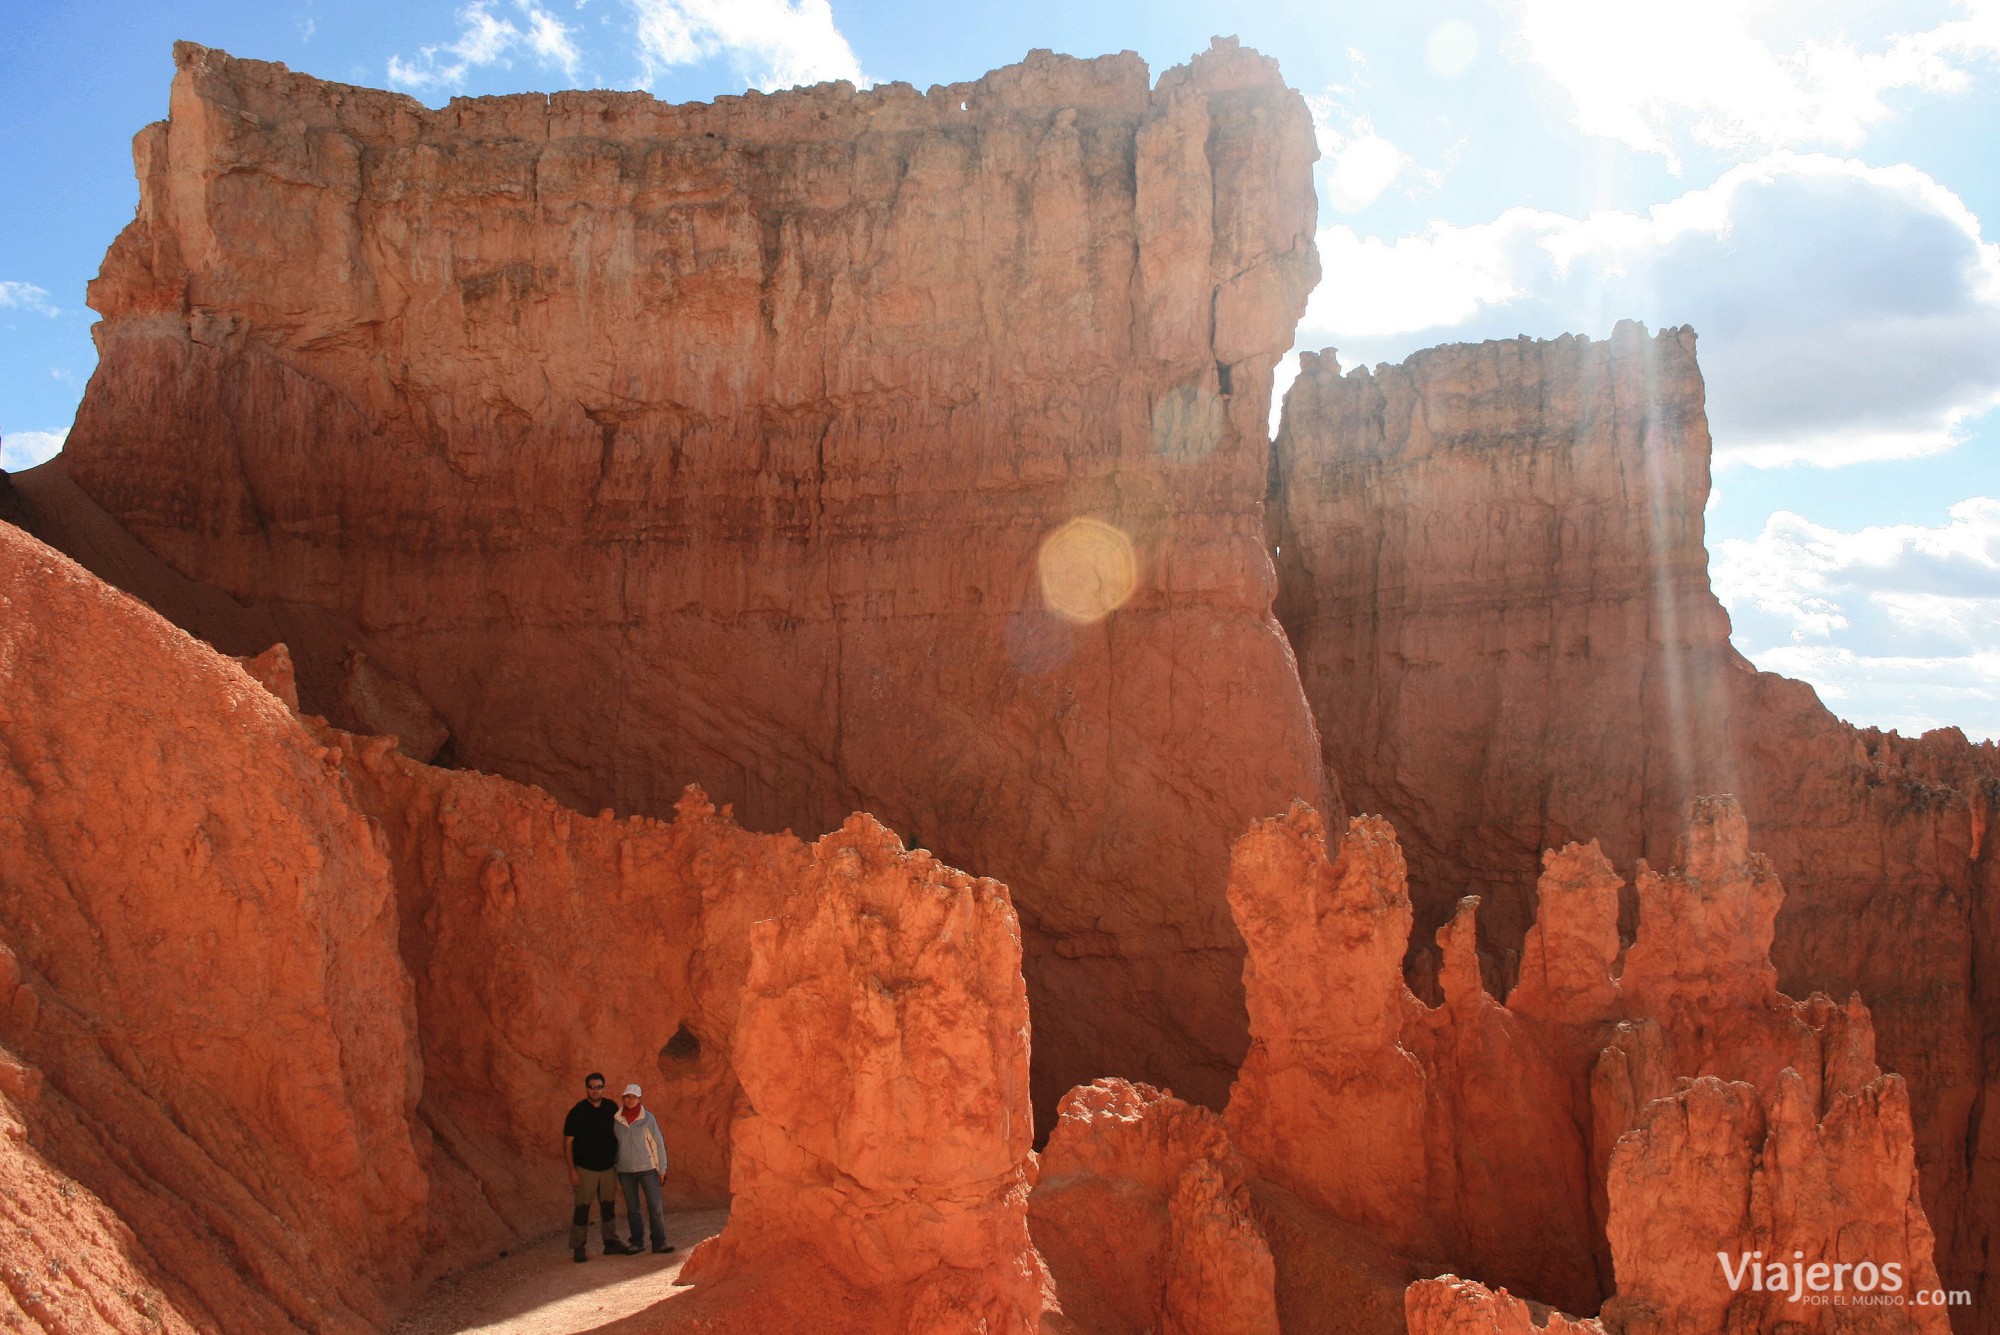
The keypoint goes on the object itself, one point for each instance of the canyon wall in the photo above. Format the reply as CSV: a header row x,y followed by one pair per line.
x,y
198,942
1492,571
290,1020
832,450
544,944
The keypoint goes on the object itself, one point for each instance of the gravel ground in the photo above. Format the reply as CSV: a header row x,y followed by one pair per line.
x,y
536,1289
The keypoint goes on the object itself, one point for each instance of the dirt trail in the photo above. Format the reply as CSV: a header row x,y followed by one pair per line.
x,y
537,1290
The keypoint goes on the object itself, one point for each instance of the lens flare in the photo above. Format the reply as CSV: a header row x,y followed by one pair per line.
x,y
1088,570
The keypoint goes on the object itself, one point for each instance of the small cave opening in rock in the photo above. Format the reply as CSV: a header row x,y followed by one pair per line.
x,y
682,1047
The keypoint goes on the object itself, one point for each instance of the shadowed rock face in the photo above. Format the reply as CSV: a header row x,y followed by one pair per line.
x,y
1143,1214
1555,1144
726,443
1491,567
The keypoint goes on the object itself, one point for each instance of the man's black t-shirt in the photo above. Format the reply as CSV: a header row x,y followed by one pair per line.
x,y
589,1125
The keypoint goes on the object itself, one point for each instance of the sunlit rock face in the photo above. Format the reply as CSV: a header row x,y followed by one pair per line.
x,y
201,997
881,1160
1491,566
740,444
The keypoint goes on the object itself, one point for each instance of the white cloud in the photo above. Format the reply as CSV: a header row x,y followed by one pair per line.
x,y
1748,77
1896,625
1358,163
486,38
771,44
26,297
1846,312
1451,49
25,449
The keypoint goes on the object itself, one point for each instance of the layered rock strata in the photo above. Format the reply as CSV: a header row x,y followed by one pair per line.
x,y
67,1263
832,450
1532,1145
1491,567
881,1159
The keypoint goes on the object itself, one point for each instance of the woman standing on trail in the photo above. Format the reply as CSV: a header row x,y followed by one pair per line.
x,y
642,1159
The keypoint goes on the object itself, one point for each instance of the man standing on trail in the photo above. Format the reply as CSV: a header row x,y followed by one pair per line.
x,y
642,1158
590,1148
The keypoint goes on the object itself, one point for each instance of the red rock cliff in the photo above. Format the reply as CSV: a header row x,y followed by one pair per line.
x,y
1492,570
198,948
739,443
545,944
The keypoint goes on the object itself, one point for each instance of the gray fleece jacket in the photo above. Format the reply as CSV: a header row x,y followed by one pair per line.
x,y
641,1147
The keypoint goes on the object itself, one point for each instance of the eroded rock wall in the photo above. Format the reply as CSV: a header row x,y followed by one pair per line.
x,y
881,1156
198,947
721,443
215,909
546,944
67,1262
1491,567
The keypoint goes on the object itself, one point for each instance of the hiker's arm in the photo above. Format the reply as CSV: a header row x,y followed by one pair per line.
x,y
569,1157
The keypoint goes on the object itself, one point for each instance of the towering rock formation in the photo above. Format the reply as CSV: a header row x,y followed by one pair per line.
x,y
1491,568
881,1165
832,450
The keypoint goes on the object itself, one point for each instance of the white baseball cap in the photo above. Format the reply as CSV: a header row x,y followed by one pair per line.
x,y
633,1090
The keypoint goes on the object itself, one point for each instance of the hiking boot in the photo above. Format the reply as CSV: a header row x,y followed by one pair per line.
x,y
662,1249
613,1247
577,1255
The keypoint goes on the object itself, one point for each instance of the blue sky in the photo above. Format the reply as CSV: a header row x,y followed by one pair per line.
x,y
1805,183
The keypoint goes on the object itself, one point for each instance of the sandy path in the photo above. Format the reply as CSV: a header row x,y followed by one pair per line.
x,y
537,1290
